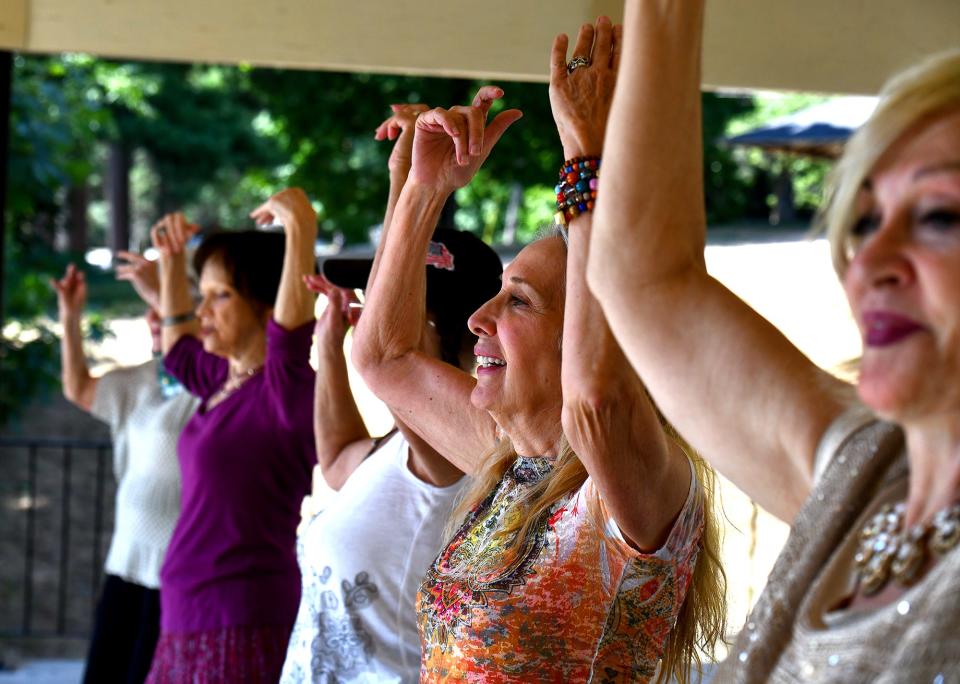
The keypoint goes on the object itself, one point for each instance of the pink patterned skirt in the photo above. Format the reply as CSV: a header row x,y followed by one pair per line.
x,y
251,654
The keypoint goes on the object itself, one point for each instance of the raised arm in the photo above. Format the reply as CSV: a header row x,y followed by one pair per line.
x,y
737,390
399,127
79,387
291,207
430,396
341,436
642,477
170,236
143,275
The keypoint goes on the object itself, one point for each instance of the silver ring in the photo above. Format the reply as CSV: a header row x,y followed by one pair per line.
x,y
576,63
161,231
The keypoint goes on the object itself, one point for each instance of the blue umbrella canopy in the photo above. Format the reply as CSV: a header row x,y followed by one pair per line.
x,y
818,131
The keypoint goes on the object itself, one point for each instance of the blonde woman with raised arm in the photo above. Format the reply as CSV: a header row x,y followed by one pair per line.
x,y
583,550
865,589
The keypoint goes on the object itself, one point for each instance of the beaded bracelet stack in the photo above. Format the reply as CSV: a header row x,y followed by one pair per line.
x,y
577,188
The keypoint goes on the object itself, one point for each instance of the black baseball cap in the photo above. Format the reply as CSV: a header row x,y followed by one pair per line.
x,y
463,272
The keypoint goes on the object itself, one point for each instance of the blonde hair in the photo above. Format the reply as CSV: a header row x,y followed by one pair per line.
x,y
701,622
925,90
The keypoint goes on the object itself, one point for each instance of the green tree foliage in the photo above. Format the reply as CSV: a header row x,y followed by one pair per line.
x,y
196,123
215,141
759,169
57,116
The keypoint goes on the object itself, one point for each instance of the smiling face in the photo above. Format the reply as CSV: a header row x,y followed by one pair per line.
x,y
229,323
519,332
903,280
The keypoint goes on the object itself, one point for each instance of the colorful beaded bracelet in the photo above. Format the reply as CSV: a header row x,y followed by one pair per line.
x,y
577,188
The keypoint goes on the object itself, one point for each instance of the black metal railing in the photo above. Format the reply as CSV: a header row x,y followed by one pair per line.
x,y
57,509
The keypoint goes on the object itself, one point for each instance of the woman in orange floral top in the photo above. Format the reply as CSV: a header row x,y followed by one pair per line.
x,y
586,549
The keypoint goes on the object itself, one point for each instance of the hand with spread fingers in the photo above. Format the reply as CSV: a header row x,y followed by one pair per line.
x,y
171,234
338,315
143,274
400,127
581,90
71,292
450,144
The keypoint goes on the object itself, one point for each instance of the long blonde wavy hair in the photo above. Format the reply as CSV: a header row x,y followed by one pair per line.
x,y
701,623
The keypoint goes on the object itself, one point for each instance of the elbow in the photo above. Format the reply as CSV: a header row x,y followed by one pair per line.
x,y
585,412
365,356
370,361
70,392
79,392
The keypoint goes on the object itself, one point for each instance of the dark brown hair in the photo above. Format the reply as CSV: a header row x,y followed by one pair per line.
x,y
252,259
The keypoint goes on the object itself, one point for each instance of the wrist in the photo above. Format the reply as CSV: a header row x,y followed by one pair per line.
x,y
303,225
576,187
426,191
71,318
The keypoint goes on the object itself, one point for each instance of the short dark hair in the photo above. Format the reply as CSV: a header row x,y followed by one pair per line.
x,y
252,259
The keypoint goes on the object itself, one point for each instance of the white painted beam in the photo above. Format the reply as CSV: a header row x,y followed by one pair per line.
x,y
818,45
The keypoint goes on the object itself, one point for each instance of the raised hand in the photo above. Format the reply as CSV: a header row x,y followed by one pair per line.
x,y
171,234
450,144
143,274
338,314
400,127
290,207
580,97
71,293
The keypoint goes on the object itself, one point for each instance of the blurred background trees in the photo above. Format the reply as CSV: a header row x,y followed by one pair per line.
x,y
101,148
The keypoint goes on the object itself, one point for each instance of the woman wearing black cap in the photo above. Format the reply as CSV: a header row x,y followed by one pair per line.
x,y
363,556
579,553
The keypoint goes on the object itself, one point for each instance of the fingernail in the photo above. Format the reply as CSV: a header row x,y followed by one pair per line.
x,y
475,149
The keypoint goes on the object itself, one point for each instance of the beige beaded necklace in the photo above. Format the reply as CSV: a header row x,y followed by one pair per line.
x,y
887,551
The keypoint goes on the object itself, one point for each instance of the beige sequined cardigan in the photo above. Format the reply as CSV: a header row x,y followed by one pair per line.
x,y
787,637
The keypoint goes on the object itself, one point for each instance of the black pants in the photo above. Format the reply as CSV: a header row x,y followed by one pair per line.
x,y
125,633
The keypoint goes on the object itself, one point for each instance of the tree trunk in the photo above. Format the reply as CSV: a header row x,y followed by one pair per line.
x,y
78,198
6,80
118,195
512,214
784,212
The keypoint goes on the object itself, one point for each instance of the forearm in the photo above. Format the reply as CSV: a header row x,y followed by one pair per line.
x,y
337,420
393,317
593,363
294,305
650,219
175,300
607,416
78,385
397,180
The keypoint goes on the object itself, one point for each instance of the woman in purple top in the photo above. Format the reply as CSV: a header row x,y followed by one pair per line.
x,y
231,585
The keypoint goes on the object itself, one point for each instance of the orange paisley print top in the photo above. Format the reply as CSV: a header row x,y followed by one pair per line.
x,y
575,605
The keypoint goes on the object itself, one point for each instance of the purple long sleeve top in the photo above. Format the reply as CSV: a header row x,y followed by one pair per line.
x,y
246,466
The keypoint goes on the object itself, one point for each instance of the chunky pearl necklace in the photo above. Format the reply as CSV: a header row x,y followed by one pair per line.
x,y
888,551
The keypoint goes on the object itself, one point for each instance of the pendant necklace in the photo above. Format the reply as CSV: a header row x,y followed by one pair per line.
x,y
232,384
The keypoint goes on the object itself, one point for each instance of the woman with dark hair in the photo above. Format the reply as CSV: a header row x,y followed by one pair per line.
x,y
231,585
362,557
